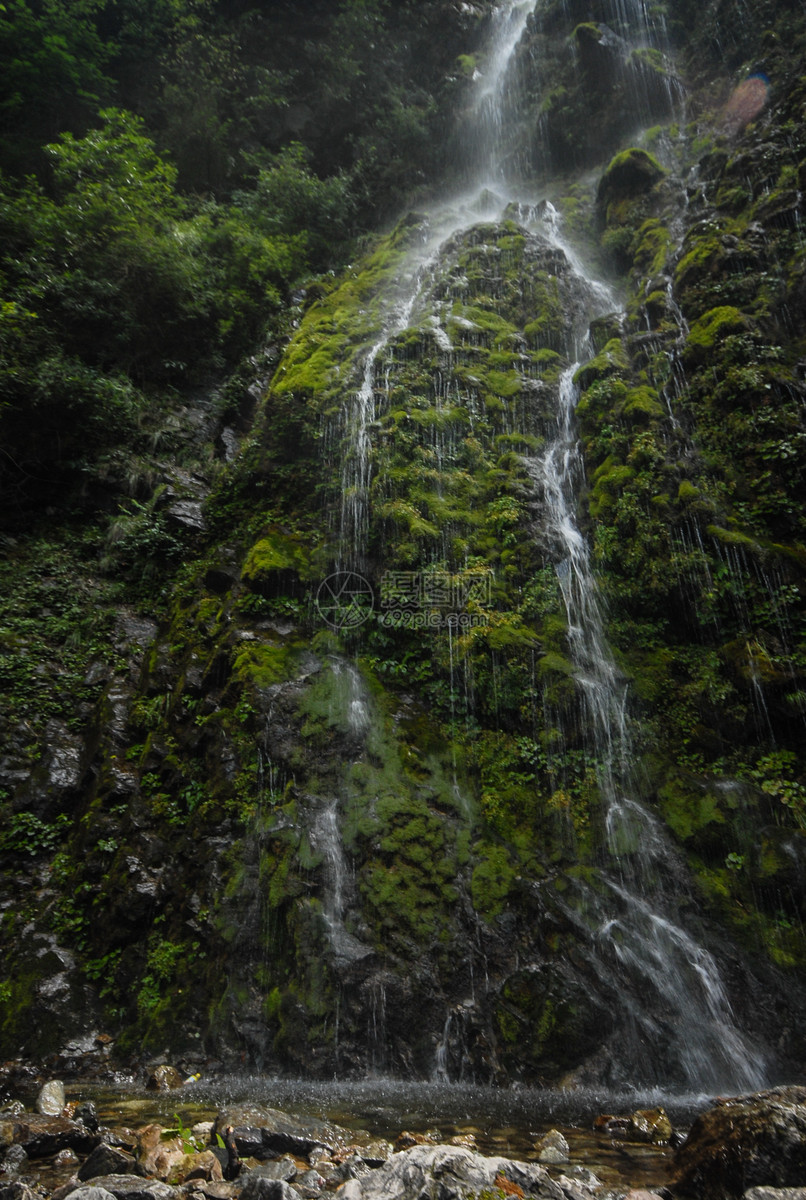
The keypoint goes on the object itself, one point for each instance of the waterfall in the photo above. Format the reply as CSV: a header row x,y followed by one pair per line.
x,y
675,1006
483,150
685,1007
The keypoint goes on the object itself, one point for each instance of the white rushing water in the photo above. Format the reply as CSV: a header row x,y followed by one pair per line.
x,y
685,1005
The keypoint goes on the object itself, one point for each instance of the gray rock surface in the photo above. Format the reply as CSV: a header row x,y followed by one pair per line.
x,y
448,1173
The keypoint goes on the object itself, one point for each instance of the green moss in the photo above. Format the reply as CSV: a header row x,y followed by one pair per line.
x,y
688,809
492,881
630,173
276,555
650,247
609,361
588,32
711,328
641,405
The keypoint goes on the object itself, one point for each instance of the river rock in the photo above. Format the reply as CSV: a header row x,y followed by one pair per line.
x,y
163,1078
283,1168
17,1190
90,1192
130,1187
42,1136
769,1193
51,1099
309,1184
650,1125
14,1160
743,1143
377,1151
204,1164
106,1160
449,1173
155,1157
216,1189
267,1132
87,1114
258,1187
553,1148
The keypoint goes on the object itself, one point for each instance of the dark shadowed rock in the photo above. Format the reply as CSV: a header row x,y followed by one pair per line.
x,y
266,1132
106,1160
745,1142
42,1136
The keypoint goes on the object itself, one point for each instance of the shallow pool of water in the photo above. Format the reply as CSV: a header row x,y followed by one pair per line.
x,y
503,1121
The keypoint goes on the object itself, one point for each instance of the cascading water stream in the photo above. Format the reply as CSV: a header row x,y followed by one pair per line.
x,y
685,1006
509,21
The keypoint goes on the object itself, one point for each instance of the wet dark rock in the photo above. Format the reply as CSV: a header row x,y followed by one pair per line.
x,y
51,1099
266,1132
106,1160
87,1114
449,1173
61,766
630,173
42,1136
745,1142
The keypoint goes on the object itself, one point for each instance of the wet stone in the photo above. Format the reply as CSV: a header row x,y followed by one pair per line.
x,y
164,1077
282,1168
51,1099
258,1187
553,1148
132,1187
106,1160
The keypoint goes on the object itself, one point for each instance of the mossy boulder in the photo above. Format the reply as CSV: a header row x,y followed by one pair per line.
x,y
277,561
630,174
712,327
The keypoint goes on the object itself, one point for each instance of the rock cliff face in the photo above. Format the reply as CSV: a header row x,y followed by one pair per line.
x,y
344,809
